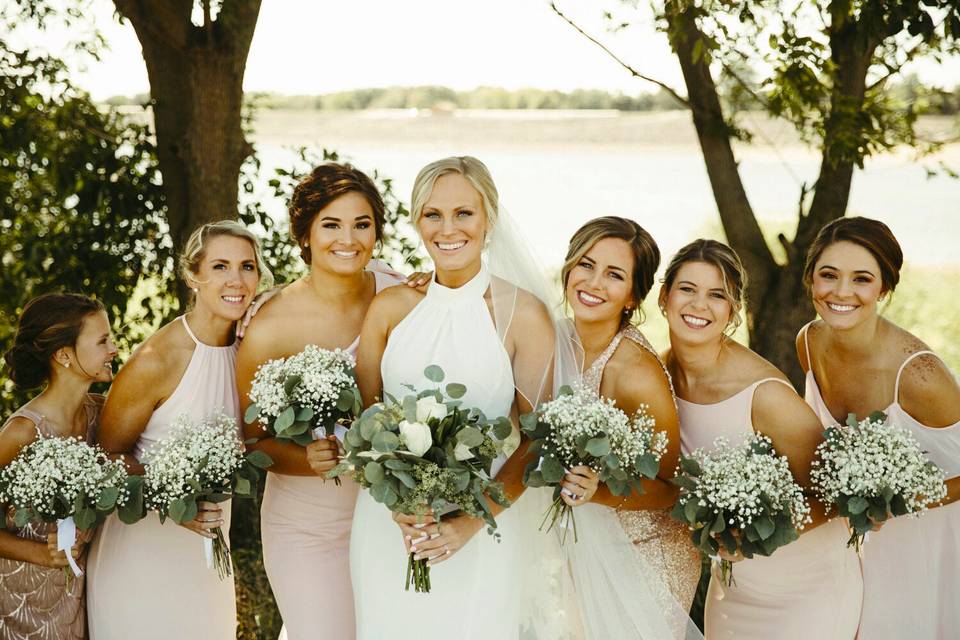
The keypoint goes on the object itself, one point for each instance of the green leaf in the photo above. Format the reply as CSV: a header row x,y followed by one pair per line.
x,y
406,479
718,525
305,414
551,470
251,414
345,400
384,493
433,373
765,527
690,466
456,390
612,461
647,465
598,447
85,518
373,472
395,464
690,509
259,459
385,442
502,428
284,421
856,505
108,499
177,510
242,487
133,511
291,383
470,437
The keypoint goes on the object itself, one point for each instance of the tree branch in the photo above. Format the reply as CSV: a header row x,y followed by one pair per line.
x,y
623,64
161,21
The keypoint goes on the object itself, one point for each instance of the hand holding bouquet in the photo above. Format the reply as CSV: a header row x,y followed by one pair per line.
x,y
305,395
201,460
70,482
869,470
426,452
579,428
742,497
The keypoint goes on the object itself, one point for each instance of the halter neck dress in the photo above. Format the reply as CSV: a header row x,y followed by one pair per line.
x,y
663,542
149,580
36,603
472,593
911,567
810,588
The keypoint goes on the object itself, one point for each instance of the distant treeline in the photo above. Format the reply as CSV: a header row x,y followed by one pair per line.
x,y
431,97
910,92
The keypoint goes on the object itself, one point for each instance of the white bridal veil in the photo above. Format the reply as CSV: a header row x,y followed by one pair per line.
x,y
599,588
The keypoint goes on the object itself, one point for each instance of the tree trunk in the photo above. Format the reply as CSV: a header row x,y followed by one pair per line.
x,y
196,86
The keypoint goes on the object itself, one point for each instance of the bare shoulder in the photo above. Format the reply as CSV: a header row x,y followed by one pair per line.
x,y
15,434
531,311
638,372
929,391
151,362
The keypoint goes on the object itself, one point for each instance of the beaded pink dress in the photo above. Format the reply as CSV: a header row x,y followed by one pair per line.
x,y
911,567
149,580
810,588
35,601
305,529
662,541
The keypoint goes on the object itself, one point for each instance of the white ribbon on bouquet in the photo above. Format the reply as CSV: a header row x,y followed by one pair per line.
x,y
66,538
208,551
339,432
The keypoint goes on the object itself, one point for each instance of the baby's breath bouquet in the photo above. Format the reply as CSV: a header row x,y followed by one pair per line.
x,y
743,497
70,482
869,470
201,460
306,395
427,452
580,428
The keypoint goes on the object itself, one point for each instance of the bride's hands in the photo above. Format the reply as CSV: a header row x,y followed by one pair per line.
x,y
582,482
438,542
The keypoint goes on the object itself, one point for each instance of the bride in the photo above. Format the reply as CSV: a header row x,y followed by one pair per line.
x,y
499,341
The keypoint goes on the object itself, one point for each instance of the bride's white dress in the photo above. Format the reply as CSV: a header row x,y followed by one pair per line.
x,y
474,593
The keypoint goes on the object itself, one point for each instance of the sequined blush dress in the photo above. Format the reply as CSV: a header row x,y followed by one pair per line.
x,y
662,541
35,601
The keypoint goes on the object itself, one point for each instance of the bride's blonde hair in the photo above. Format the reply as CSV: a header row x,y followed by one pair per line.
x,y
475,172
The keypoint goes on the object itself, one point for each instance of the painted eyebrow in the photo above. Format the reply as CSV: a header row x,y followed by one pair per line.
x,y
692,284
870,273
335,219
616,268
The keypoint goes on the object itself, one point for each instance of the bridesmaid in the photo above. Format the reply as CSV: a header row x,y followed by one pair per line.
x,y
606,275
811,588
63,342
858,362
150,580
337,218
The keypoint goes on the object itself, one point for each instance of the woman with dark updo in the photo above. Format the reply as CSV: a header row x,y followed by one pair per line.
x,y
63,344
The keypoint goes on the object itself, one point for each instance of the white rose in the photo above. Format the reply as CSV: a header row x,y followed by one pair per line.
x,y
416,436
462,452
428,407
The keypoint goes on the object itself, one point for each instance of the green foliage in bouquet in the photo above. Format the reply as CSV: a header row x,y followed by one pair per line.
x,y
427,452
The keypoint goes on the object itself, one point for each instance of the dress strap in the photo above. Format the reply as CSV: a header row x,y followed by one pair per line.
x,y
806,344
32,416
896,385
783,382
186,326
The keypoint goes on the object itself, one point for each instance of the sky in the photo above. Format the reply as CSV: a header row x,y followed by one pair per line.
x,y
316,47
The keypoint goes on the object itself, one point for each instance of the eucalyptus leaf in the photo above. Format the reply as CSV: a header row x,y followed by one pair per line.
x,y
552,470
470,437
598,447
456,390
433,373
107,499
259,459
251,414
373,472
305,414
346,400
385,442
286,418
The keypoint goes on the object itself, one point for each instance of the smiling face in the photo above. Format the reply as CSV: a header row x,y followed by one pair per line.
x,y
343,235
227,277
696,305
94,351
600,286
846,285
453,224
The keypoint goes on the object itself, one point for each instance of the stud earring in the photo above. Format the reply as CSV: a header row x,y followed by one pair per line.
x,y
194,289
66,366
663,310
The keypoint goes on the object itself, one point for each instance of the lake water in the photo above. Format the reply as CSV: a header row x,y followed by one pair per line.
x,y
555,171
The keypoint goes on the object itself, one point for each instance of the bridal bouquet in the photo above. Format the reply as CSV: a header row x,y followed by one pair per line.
x,y
201,460
580,428
426,452
742,497
869,470
70,482
305,395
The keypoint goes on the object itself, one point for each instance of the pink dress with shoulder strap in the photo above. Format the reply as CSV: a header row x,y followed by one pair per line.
x,y
911,567
305,528
808,589
36,603
149,580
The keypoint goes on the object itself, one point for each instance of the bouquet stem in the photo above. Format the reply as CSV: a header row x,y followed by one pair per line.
x,y
560,512
726,573
221,555
418,575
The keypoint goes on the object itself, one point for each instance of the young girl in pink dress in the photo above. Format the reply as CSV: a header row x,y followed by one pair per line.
x,y
150,580
858,362
63,342
812,587
337,218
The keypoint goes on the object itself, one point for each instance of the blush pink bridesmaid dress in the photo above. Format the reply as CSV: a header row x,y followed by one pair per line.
x,y
911,567
808,589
